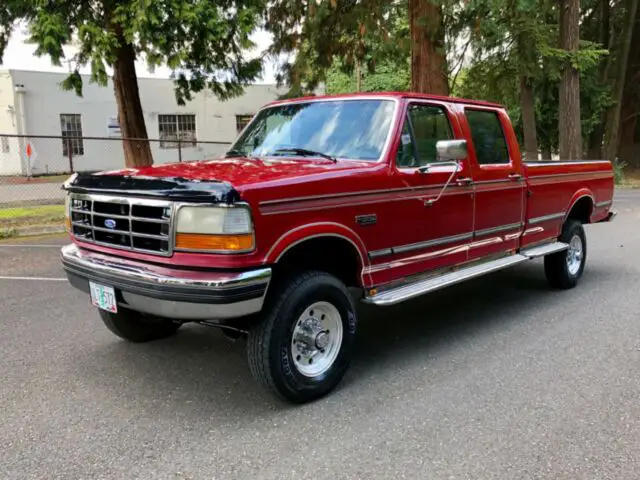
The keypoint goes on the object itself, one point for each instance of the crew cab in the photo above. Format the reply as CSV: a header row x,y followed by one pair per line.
x,y
321,203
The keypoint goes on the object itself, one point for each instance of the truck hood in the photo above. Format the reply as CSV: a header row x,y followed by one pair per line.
x,y
243,172
220,180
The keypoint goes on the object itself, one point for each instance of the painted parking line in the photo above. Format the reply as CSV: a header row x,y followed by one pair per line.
x,y
3,245
38,279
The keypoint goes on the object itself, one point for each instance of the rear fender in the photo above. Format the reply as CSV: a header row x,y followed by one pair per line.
x,y
579,195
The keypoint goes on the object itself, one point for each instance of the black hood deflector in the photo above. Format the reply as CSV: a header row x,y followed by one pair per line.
x,y
170,188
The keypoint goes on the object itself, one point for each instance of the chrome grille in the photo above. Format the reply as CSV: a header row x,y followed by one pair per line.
x,y
139,225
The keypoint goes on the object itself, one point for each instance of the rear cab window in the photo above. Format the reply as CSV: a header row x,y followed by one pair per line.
x,y
488,137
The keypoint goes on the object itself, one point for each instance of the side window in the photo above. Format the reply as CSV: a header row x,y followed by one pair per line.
x,y
488,137
423,127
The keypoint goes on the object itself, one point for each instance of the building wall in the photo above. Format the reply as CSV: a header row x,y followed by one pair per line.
x,y
44,102
9,147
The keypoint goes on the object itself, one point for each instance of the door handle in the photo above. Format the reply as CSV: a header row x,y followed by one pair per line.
x,y
464,181
515,176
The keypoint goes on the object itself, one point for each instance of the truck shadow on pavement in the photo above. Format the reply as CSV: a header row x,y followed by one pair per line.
x,y
201,373
436,322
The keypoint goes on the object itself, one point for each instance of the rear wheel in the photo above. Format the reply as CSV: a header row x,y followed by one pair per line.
x,y
136,327
302,347
564,269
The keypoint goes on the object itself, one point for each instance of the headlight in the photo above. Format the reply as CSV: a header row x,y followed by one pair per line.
x,y
214,229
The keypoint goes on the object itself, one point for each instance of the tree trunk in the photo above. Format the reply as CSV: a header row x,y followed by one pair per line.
x,y
612,124
630,110
595,139
570,132
130,115
428,60
528,118
546,153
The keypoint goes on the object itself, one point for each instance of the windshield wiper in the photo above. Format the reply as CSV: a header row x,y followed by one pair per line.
x,y
236,153
306,153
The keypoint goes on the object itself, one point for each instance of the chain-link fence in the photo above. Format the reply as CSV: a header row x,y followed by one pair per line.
x,y
33,167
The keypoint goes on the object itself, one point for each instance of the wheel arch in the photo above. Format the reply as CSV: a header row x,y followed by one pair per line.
x,y
581,206
323,237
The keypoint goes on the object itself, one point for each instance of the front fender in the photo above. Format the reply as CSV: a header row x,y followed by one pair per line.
x,y
320,229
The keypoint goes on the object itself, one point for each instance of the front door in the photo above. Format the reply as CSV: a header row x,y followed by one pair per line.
x,y
434,234
499,184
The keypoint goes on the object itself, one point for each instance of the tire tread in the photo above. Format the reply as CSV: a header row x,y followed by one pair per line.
x,y
260,336
555,265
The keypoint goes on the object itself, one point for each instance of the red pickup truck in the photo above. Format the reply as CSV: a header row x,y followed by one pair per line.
x,y
322,202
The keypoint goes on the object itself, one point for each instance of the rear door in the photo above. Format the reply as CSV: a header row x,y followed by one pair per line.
x,y
499,182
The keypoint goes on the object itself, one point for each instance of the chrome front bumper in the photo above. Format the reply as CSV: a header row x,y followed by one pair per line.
x,y
166,291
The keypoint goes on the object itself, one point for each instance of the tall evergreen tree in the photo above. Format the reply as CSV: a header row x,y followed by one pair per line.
x,y
570,132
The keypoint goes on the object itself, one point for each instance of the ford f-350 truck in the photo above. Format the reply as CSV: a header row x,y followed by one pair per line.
x,y
320,203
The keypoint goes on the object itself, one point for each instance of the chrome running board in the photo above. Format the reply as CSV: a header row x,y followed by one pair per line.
x,y
405,292
543,250
412,290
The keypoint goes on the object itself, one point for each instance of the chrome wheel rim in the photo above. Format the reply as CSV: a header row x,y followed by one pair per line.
x,y
574,255
316,339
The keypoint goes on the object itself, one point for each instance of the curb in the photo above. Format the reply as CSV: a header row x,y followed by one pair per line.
x,y
13,232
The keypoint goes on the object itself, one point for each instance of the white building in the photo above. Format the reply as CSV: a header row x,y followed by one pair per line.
x,y
34,104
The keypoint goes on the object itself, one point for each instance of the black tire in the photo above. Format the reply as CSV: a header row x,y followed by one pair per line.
x,y
269,347
556,267
137,328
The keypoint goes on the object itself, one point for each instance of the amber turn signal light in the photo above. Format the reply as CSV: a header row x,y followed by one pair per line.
x,y
200,241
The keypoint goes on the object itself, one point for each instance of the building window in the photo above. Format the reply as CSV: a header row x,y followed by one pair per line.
x,y
242,121
177,127
5,144
71,127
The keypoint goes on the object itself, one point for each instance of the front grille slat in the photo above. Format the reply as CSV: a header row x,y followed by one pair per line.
x,y
112,230
146,235
150,220
126,223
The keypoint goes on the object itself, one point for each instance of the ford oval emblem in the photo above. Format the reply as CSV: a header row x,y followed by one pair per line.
x,y
110,223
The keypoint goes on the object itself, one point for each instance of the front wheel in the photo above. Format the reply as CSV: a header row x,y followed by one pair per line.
x,y
302,347
564,269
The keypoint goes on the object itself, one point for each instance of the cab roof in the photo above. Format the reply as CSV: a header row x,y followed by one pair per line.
x,y
391,94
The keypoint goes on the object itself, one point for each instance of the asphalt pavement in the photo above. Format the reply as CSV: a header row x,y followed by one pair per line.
x,y
498,378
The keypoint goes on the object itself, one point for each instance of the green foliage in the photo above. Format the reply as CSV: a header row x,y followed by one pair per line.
x,y
387,77
336,35
618,171
203,42
516,38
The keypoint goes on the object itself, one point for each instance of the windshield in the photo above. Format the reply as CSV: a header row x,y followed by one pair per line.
x,y
351,129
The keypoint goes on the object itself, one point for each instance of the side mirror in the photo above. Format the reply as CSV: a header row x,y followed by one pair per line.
x,y
451,150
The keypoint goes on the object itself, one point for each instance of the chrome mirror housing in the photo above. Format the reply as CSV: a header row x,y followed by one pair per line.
x,y
451,150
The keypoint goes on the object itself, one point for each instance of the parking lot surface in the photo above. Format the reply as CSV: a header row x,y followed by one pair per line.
x,y
497,378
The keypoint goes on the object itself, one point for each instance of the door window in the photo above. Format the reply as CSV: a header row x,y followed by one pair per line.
x,y
488,137
423,127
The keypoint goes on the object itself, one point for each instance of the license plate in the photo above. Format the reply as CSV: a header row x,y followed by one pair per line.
x,y
103,297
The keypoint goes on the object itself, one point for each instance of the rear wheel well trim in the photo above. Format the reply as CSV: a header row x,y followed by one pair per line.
x,y
577,198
